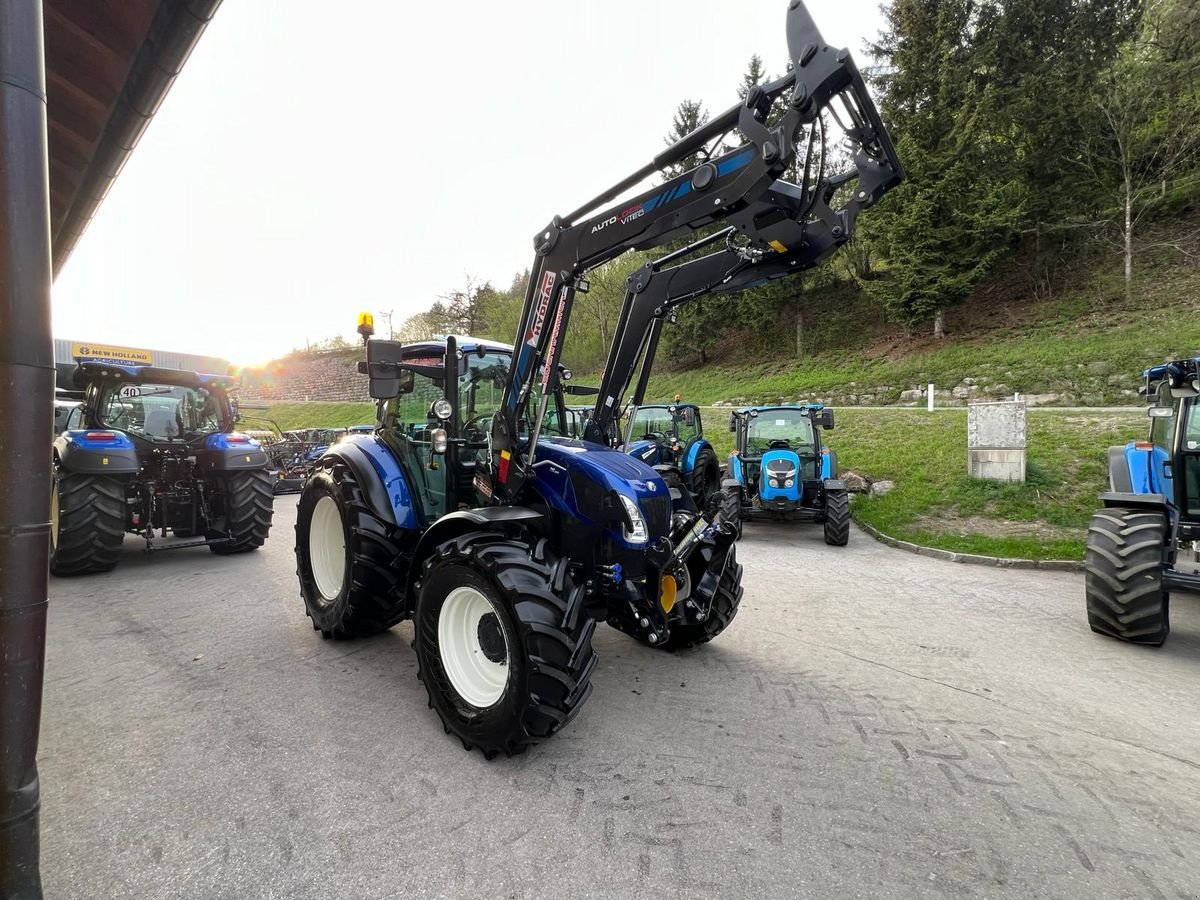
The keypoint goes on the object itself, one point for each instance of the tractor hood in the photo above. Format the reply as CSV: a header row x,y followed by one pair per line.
x,y
581,480
646,451
610,468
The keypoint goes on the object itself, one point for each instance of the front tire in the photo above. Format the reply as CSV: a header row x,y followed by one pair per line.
x,y
87,526
1123,583
725,603
347,558
837,518
248,500
504,645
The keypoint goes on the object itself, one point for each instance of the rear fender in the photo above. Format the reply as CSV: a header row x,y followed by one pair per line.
x,y
698,445
1122,499
829,466
220,454
736,472
379,475
75,452
1139,470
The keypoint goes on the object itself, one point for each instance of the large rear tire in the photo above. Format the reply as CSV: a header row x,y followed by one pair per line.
x,y
504,645
837,518
705,478
1124,576
87,523
347,559
247,500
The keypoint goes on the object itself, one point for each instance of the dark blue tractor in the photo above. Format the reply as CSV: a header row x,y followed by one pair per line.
x,y
1136,543
401,524
674,436
506,544
155,450
785,472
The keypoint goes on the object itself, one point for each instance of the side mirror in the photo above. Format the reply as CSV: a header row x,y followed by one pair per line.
x,y
689,417
827,419
386,378
733,421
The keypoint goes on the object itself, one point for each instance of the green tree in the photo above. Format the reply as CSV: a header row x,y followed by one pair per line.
x,y
947,225
1149,133
755,74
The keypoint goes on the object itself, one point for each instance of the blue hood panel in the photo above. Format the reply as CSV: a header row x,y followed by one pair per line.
x,y
611,467
769,492
609,470
646,451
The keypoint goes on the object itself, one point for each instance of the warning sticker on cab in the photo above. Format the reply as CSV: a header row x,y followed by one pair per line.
x,y
128,356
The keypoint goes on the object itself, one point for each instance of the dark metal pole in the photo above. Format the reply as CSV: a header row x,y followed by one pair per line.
x,y
26,401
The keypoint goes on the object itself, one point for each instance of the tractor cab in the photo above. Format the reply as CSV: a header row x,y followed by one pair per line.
x,y
665,435
439,434
674,436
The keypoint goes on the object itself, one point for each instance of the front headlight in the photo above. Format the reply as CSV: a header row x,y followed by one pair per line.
x,y
789,482
635,531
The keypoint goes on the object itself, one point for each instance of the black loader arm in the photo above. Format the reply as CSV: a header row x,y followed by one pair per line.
x,y
742,186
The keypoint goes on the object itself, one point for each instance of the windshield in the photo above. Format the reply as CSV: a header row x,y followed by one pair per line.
x,y
656,422
161,412
791,425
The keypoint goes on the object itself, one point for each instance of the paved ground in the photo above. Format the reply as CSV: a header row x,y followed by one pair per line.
x,y
874,724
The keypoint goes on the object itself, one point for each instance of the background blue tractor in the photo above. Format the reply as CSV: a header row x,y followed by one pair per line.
x,y
674,436
784,471
1151,512
156,451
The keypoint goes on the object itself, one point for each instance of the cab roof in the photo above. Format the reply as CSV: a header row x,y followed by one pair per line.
x,y
87,372
815,407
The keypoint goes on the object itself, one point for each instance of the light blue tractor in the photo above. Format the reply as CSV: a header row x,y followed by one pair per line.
x,y
783,470
1135,544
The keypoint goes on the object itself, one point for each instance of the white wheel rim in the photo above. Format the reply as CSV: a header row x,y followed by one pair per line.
x,y
327,548
473,669
54,516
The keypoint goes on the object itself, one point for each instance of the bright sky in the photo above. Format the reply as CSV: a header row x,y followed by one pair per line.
x,y
315,159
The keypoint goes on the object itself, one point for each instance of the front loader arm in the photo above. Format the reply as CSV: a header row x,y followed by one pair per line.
x,y
741,186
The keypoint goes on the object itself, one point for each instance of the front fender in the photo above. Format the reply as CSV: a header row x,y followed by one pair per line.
x,y
456,524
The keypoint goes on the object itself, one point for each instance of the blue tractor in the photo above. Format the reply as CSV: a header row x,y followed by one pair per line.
x,y
506,544
783,470
156,450
674,436
1150,513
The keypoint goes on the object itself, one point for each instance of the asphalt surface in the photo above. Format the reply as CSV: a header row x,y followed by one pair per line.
x,y
873,724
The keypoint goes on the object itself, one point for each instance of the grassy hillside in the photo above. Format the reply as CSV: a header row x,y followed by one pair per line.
x,y
312,415
934,502
1087,343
